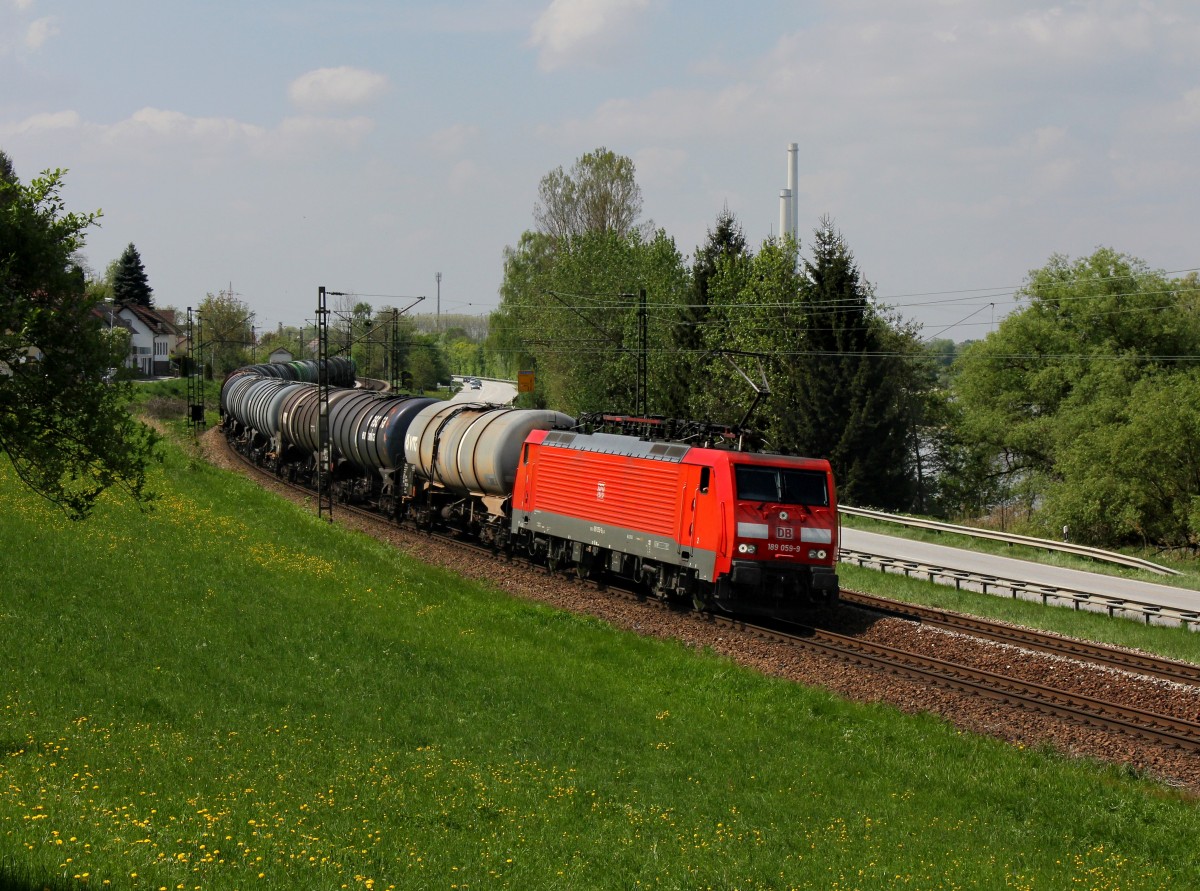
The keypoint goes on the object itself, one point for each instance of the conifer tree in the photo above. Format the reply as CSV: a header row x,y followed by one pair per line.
x,y
688,340
129,284
846,393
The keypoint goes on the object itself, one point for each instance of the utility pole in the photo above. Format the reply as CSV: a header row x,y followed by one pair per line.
x,y
438,276
643,382
195,372
324,451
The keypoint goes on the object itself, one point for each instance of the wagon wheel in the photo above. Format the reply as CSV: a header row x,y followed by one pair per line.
x,y
556,557
586,566
659,585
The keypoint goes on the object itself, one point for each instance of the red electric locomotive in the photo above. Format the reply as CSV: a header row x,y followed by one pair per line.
x,y
739,531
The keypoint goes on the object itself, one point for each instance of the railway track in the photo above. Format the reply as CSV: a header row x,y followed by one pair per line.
x,y
1098,654
1029,696
1172,732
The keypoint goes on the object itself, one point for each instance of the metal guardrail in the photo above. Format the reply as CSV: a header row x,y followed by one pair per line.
x,y
1152,613
1045,543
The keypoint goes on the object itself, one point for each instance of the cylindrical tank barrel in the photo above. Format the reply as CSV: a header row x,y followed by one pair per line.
x,y
392,424
474,448
233,385
345,418
368,428
263,400
341,370
300,415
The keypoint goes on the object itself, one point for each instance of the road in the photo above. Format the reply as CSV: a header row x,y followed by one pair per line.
x,y
1009,567
491,391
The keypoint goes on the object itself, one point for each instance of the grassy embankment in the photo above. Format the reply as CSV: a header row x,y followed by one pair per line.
x,y
226,693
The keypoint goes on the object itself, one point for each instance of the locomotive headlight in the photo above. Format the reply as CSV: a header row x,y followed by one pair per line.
x,y
816,554
746,548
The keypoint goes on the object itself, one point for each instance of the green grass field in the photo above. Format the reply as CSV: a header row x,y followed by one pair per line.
x,y
226,693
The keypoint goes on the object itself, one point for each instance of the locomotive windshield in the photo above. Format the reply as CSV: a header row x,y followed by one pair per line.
x,y
781,485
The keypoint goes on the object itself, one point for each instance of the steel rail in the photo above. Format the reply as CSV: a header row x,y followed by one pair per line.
x,y
1099,654
1026,695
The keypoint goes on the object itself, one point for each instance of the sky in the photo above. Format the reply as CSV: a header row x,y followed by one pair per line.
x,y
271,148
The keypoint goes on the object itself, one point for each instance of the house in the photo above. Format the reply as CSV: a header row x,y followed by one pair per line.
x,y
31,354
280,356
153,338
107,316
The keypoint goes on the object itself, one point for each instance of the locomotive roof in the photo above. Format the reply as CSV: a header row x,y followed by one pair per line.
x,y
615,444
670,452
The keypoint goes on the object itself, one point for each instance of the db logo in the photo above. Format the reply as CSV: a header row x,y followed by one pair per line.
x,y
599,491
784,532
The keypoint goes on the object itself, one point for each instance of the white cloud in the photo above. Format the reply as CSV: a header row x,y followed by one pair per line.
x,y
1089,31
150,128
151,132
1176,115
306,134
46,121
582,30
330,88
670,116
40,31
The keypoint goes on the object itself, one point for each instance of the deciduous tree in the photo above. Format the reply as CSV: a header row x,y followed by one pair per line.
x,y
67,432
600,195
226,332
1058,398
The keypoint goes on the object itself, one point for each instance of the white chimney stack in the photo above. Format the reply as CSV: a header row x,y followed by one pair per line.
x,y
785,212
794,189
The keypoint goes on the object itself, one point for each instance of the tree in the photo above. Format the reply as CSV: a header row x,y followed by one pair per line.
x,y
1055,401
726,244
750,330
598,195
846,392
507,349
128,279
463,355
8,173
66,431
284,337
226,332
572,306
569,298
426,364
396,332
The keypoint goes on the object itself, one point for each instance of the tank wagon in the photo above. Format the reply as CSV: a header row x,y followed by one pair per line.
x,y
276,422
731,530
461,463
340,369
